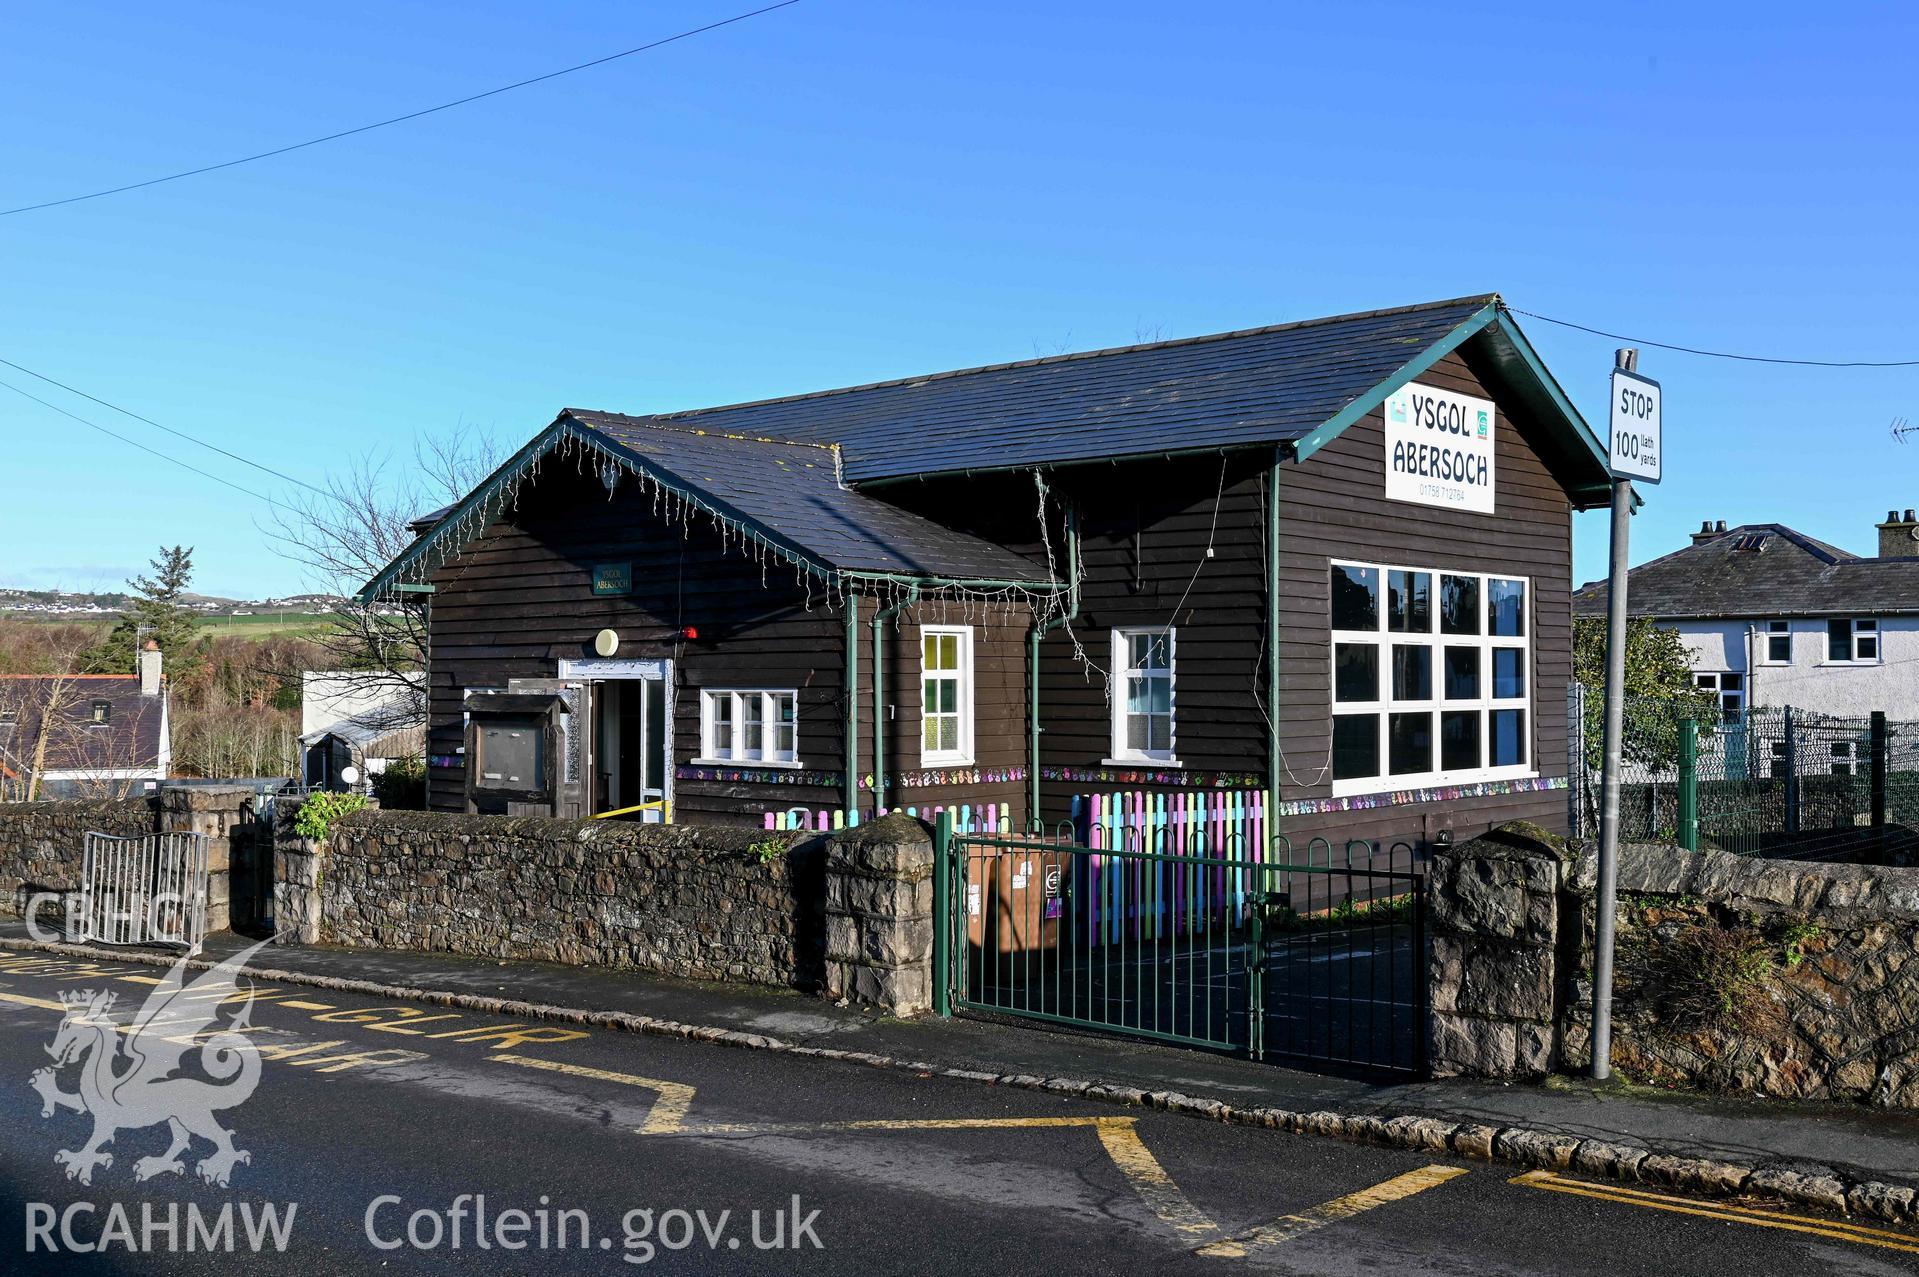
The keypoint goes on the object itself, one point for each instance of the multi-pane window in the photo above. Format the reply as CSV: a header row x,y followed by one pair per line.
x,y
1143,695
1852,641
1840,758
1431,677
946,694
1778,640
1731,690
750,726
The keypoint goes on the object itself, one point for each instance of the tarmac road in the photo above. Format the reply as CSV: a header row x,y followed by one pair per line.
x,y
384,1131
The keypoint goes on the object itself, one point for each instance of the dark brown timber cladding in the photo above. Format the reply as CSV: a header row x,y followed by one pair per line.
x,y
1333,505
520,597
992,777
1144,532
1144,529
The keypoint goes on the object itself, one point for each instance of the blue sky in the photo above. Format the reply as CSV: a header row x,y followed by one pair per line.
x,y
844,191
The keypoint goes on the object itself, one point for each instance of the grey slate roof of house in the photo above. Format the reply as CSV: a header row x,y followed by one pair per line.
x,y
1257,385
1758,571
130,738
792,490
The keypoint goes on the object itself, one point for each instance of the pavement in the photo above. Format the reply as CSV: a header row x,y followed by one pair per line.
x,y
1860,1143
384,1128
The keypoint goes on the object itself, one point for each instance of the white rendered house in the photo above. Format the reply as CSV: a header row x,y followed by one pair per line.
x,y
1775,618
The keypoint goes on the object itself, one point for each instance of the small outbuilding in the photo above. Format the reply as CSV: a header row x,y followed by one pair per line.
x,y
1322,566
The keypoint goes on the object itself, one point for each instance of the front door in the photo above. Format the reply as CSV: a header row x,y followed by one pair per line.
x,y
629,750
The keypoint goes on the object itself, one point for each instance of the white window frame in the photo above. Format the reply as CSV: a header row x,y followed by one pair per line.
x,y
1384,705
1732,700
1862,628
963,756
736,700
1123,670
1774,630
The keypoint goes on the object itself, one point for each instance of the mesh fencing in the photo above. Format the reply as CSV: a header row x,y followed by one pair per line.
x,y
1765,782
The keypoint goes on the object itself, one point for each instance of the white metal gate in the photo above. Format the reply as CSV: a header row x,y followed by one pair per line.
x,y
146,890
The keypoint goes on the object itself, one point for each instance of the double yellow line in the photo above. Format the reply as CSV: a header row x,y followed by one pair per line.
x,y
1836,1230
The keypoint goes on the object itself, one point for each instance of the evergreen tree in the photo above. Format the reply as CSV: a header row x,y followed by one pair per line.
x,y
155,613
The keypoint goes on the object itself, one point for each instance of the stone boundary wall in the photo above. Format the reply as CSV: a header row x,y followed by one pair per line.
x,y
848,914
1790,979
41,843
708,903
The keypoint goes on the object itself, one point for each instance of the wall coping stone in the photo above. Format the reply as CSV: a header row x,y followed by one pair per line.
x,y
1856,892
718,839
1515,840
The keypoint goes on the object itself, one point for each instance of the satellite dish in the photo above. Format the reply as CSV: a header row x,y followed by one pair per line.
x,y
350,774
606,642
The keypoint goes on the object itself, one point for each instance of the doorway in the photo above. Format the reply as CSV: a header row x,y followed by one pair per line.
x,y
629,748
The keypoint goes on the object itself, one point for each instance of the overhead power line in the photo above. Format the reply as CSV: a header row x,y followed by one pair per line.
x,y
164,456
1722,354
398,119
178,434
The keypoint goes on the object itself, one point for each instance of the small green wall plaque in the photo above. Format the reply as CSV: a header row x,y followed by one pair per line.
x,y
613,578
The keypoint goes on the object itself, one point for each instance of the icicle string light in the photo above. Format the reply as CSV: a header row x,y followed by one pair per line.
x,y
837,588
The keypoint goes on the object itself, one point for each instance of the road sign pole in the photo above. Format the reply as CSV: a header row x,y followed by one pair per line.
x,y
1614,730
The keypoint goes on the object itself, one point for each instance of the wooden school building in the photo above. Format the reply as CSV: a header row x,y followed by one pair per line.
x,y
1321,570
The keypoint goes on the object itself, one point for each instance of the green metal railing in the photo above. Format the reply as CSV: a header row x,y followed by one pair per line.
x,y
1317,956
1140,942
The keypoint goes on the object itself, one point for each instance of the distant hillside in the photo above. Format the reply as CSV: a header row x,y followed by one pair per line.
x,y
295,609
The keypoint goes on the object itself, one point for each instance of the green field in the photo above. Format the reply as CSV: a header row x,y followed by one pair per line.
x,y
263,623
256,625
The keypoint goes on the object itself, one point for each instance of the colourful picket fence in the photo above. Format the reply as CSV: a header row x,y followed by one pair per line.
x,y
967,819
1140,887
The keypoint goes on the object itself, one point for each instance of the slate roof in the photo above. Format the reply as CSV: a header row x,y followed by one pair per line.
x,y
1255,385
808,471
1758,571
792,490
130,738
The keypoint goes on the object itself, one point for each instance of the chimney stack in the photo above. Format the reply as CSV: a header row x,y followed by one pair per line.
x,y
1707,532
1899,535
150,669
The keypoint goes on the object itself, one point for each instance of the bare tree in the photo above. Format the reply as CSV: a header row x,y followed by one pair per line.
x,y
363,518
231,739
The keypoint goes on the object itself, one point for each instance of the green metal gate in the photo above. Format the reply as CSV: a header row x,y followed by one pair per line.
x,y
1317,958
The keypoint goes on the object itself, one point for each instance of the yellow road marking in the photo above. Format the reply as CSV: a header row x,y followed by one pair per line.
x,y
141,979
669,1111
1117,1135
295,1004
25,1001
1758,1217
1150,1180
1287,1227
